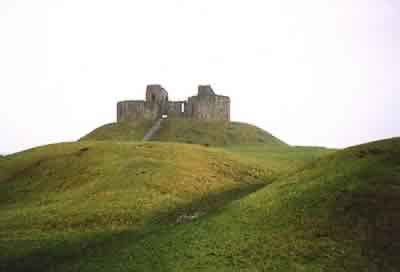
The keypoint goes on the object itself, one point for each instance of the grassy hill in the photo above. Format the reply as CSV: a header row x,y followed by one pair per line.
x,y
102,207
249,203
188,131
283,158
340,213
214,133
129,131
52,197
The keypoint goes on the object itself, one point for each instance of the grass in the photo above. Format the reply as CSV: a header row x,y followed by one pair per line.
x,y
135,206
340,213
68,190
214,133
128,131
281,157
187,131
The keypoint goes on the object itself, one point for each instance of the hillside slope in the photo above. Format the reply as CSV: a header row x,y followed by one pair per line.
x,y
282,158
339,213
129,131
188,131
54,195
214,133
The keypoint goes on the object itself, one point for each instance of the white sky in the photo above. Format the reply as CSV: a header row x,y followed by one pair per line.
x,y
318,72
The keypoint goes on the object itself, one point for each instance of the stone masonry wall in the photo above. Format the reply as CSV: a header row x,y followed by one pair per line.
x,y
205,106
130,110
205,90
209,107
152,111
156,94
175,109
137,110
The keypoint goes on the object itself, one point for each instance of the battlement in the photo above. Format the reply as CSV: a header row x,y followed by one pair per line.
x,y
206,105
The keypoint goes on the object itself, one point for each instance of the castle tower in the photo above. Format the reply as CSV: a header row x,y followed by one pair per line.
x,y
205,90
157,96
208,106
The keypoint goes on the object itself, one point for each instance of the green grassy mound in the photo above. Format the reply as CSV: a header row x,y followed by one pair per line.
x,y
188,131
283,159
52,197
132,131
106,206
338,213
214,133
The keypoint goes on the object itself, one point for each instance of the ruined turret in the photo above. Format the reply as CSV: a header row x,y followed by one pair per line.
x,y
205,90
157,96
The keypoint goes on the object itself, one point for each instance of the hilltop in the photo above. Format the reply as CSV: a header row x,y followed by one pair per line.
x,y
210,133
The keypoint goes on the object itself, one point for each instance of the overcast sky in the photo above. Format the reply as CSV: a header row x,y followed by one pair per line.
x,y
317,72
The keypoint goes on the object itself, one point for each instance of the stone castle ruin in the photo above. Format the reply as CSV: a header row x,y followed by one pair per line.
x,y
206,105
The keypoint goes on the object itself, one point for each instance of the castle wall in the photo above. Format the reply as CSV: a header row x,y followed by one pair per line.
x,y
189,108
175,109
152,111
137,110
130,110
205,106
209,107
157,94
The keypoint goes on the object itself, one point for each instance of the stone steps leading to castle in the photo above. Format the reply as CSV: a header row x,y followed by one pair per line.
x,y
153,130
